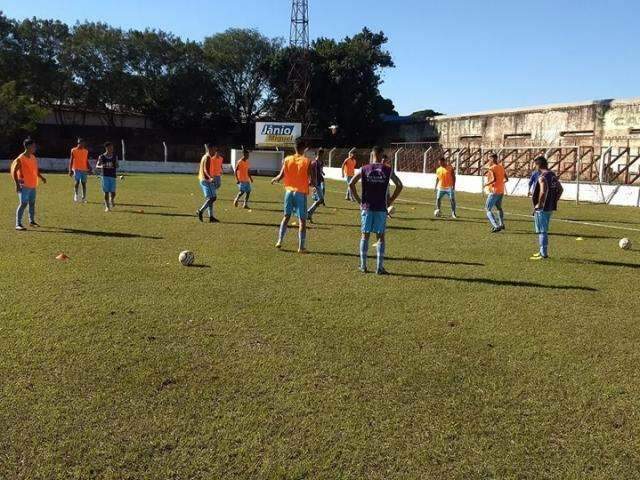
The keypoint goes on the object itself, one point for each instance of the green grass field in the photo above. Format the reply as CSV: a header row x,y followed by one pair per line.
x,y
470,362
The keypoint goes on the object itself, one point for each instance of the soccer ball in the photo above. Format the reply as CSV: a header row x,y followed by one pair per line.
x,y
437,213
625,244
391,210
186,258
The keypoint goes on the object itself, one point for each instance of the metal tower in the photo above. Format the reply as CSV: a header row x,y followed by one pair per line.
x,y
298,79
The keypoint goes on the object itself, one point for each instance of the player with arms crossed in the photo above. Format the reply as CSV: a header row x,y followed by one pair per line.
x,y
207,184
374,203
546,195
445,185
79,168
496,180
25,174
244,180
108,165
296,173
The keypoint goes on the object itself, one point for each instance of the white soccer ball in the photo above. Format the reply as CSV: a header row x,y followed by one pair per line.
x,y
391,210
186,258
625,244
436,213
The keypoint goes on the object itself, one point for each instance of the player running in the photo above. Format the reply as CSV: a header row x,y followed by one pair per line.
x,y
25,174
79,168
296,173
445,185
348,171
108,165
244,180
317,181
375,183
546,195
496,180
206,178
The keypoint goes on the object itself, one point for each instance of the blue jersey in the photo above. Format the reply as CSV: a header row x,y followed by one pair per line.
x,y
375,184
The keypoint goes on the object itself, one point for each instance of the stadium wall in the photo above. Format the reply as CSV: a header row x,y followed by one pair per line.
x,y
622,195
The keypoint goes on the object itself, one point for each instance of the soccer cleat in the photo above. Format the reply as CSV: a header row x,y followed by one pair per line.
x,y
310,218
453,215
495,229
34,224
363,270
381,271
213,220
245,206
278,245
199,215
84,200
107,209
538,256
20,228
235,202
75,197
303,251
437,213
502,227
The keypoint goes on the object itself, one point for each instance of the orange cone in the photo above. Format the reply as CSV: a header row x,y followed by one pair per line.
x,y
62,257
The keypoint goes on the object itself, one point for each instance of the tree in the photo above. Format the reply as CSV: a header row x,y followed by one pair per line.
x,y
345,81
18,115
238,60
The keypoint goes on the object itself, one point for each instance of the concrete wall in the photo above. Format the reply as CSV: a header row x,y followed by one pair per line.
x,y
624,195
610,122
60,165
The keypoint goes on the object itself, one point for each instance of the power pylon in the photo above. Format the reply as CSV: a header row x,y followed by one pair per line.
x,y
298,80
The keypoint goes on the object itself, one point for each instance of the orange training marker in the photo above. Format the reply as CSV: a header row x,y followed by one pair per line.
x,y
62,257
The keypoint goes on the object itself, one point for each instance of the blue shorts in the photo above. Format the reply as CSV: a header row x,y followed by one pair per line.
x,y
208,189
318,193
245,187
442,192
374,222
295,202
79,176
217,181
109,184
541,220
27,195
494,201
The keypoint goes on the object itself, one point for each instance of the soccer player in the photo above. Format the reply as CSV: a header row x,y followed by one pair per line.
x,y
348,171
244,179
296,173
546,194
108,165
375,183
496,180
79,168
207,184
216,166
25,174
446,185
317,181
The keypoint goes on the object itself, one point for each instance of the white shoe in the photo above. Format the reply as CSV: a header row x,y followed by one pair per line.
x,y
437,213
453,215
75,197
84,200
107,209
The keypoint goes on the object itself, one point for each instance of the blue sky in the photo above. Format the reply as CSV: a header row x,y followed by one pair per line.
x,y
451,55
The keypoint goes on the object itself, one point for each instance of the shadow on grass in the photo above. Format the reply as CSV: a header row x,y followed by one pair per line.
x,y
96,233
199,266
273,225
604,263
492,281
389,227
569,235
402,259
147,205
157,214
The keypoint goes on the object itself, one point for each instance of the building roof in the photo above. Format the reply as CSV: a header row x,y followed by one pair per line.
x,y
541,108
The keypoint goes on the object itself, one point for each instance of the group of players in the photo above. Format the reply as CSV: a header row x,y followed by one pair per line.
x,y
299,174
